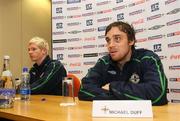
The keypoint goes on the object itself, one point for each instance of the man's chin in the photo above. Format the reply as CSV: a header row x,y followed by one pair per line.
x,y
116,59
33,60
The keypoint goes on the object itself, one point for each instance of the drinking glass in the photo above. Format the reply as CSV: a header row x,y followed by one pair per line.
x,y
68,92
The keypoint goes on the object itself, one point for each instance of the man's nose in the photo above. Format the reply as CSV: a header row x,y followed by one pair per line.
x,y
111,44
29,51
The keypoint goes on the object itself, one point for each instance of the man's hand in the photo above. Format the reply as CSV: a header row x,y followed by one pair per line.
x,y
106,87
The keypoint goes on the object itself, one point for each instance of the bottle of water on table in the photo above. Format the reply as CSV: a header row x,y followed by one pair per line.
x,y
7,89
25,90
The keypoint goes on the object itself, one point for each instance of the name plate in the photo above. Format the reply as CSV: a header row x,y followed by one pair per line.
x,y
122,108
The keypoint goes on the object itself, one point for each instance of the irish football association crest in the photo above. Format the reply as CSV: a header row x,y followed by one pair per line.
x,y
134,78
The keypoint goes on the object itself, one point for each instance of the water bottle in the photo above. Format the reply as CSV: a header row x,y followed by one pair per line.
x,y
7,89
25,90
6,75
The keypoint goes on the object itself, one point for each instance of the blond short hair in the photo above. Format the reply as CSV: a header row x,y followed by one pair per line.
x,y
40,42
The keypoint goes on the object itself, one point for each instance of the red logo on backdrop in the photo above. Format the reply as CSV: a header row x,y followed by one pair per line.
x,y
75,64
175,57
141,40
136,3
139,21
104,11
89,39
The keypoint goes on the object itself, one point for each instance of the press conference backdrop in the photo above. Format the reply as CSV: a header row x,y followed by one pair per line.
x,y
78,28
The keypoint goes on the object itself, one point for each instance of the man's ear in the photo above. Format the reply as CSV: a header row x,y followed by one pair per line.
x,y
44,51
131,42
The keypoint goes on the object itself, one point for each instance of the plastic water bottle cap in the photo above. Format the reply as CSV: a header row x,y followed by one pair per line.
x,y
25,69
6,57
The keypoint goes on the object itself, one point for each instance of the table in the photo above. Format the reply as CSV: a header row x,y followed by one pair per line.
x,y
49,109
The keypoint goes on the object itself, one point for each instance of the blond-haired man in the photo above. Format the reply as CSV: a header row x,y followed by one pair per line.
x,y
46,74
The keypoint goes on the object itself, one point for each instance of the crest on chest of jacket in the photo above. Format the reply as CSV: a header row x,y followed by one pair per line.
x,y
134,78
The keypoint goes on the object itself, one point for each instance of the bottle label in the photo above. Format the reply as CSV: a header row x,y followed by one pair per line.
x,y
7,92
7,97
25,77
25,91
7,73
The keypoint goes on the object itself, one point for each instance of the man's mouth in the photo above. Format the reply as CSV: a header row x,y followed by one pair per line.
x,y
112,52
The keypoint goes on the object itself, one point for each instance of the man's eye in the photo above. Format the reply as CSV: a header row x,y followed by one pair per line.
x,y
117,39
107,40
32,49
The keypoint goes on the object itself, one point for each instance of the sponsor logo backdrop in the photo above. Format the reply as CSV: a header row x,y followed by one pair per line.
x,y
78,28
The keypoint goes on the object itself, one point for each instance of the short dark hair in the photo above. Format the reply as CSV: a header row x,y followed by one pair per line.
x,y
124,27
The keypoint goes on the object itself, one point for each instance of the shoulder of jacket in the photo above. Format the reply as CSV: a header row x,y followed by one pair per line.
x,y
55,63
104,60
32,69
144,53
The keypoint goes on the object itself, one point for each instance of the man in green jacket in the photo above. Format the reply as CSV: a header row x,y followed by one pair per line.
x,y
132,74
46,74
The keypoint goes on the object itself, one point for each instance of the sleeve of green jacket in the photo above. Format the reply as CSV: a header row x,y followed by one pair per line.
x,y
91,86
51,80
